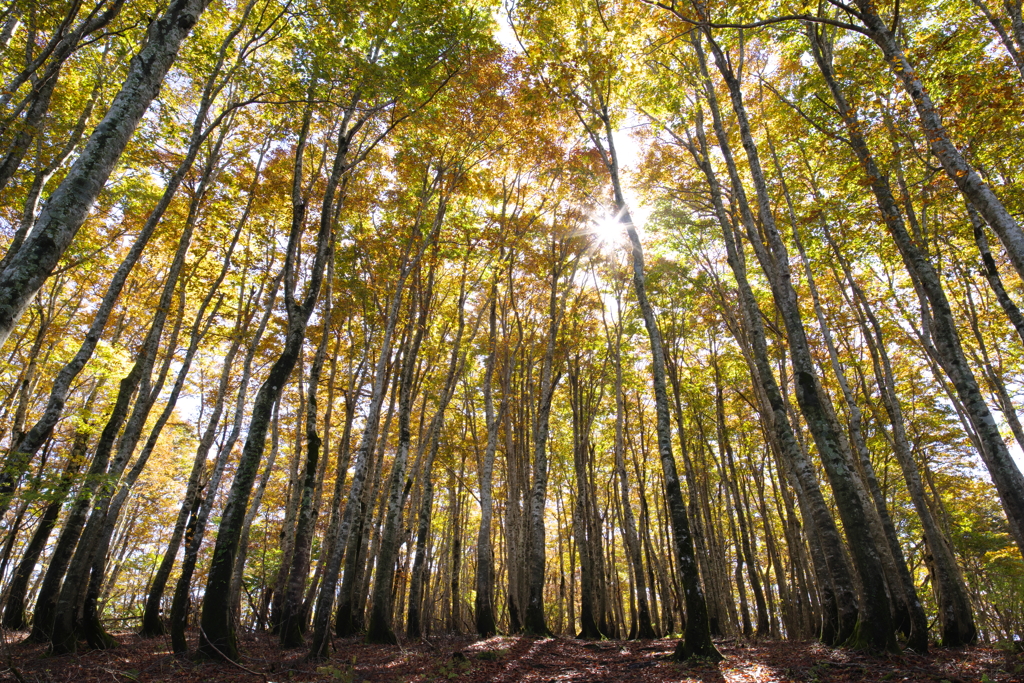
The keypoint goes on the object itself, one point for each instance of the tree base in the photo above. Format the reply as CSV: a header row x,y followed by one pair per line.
x,y
955,634
152,628
14,616
646,631
485,623
706,652
918,642
291,631
225,649
862,640
535,625
381,635
36,635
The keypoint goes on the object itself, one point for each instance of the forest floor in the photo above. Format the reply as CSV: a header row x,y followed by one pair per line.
x,y
505,660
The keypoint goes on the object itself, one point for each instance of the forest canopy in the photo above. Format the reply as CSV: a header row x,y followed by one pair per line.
x,y
591,318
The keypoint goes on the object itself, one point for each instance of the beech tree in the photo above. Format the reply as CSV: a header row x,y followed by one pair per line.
x,y
603,320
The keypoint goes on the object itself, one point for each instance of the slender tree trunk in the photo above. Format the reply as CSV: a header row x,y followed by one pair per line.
x,y
1004,37
992,273
697,638
68,206
907,605
380,629
875,629
293,617
92,548
535,622
14,603
1005,474
744,550
644,627
36,105
217,633
957,168
349,616
432,443
840,616
43,428
196,528
325,600
956,621
486,621
152,623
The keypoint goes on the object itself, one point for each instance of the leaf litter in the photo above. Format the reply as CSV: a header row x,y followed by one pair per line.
x,y
504,659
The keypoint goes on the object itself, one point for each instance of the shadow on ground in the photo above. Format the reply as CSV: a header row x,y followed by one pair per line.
x,y
500,659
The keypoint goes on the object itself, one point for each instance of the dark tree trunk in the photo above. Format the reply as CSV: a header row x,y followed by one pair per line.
x,y
293,617
535,622
486,620
14,603
1005,474
325,600
217,633
380,629
70,203
838,622
875,629
456,363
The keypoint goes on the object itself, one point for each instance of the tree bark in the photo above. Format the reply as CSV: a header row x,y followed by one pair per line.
x,y
875,629
697,638
14,603
1005,474
956,166
535,622
380,629
432,443
486,620
217,633
840,616
643,615
68,206
293,618
956,620
325,600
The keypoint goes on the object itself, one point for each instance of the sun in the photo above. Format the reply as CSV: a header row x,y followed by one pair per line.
x,y
608,230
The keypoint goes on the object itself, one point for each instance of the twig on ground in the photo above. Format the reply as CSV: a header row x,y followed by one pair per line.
x,y
226,658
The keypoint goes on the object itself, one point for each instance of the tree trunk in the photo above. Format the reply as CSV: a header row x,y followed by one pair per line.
x,y
432,443
643,615
992,273
875,629
745,550
14,603
325,600
697,638
959,171
380,629
1005,474
486,620
152,622
33,122
92,547
535,621
293,618
217,633
956,621
839,619
68,206
907,606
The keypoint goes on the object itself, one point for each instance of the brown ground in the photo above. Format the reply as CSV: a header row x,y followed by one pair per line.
x,y
505,660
